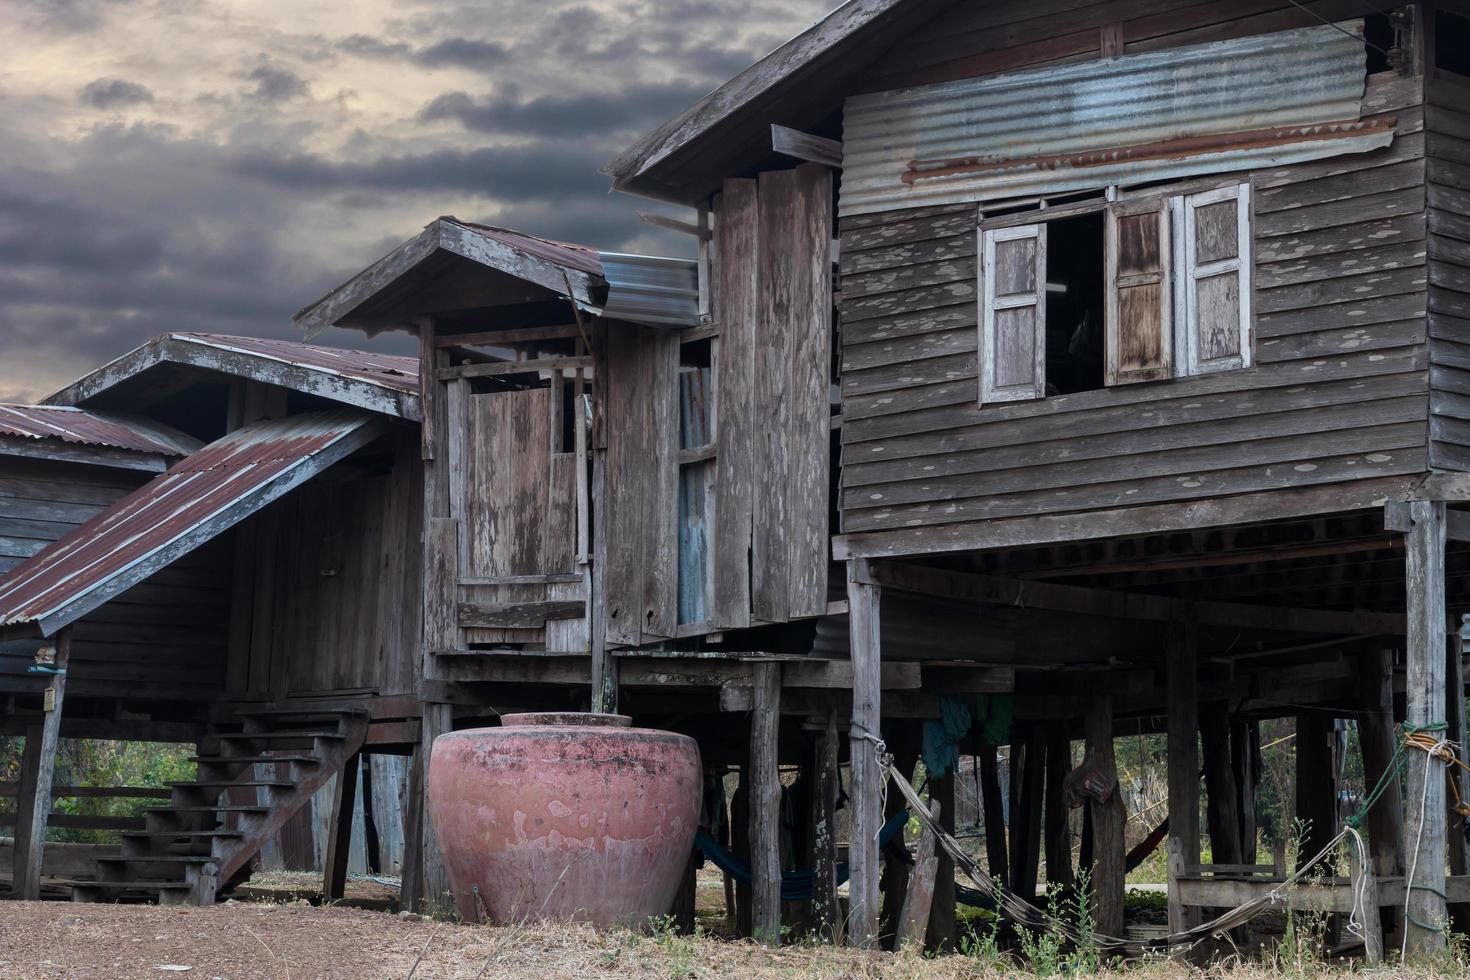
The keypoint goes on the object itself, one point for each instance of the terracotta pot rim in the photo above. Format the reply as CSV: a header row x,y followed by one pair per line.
x,y
566,719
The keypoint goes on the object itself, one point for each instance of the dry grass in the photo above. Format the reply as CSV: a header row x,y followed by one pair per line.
x,y
295,941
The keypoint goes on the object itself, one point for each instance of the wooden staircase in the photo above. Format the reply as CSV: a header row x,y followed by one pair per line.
x,y
205,835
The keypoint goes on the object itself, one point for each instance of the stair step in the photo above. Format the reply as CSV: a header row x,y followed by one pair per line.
x,y
233,808
297,711
212,760
231,784
141,884
171,834
158,859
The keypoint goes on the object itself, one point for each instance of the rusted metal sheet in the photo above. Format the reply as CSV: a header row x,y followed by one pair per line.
x,y
85,428
1238,104
197,499
385,370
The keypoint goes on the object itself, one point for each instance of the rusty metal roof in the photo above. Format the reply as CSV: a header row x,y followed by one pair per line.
x,y
176,512
504,268
387,370
1238,104
74,425
383,383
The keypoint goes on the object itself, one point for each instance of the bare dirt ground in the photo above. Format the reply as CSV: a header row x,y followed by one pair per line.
x,y
297,941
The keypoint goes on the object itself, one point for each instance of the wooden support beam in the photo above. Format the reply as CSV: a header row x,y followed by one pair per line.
x,y
913,919
765,806
1108,820
604,693
893,881
1456,522
520,335
1245,739
703,234
1316,782
339,834
826,907
34,805
1182,679
499,369
994,810
1224,822
804,146
1459,848
524,615
941,936
1128,605
1424,698
1058,830
1377,742
865,811
1028,775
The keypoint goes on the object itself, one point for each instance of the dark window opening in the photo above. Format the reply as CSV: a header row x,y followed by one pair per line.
x,y
1379,34
1075,339
1452,43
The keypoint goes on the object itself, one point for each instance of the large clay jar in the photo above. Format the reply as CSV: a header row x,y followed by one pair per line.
x,y
564,816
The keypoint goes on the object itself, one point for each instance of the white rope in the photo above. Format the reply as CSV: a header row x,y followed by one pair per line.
x,y
1418,840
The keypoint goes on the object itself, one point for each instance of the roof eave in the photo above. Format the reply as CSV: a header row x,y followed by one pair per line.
x,y
335,308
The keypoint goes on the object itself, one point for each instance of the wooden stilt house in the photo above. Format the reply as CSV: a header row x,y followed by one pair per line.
x,y
1150,324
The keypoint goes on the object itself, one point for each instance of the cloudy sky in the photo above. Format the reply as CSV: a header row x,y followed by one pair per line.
x,y
217,164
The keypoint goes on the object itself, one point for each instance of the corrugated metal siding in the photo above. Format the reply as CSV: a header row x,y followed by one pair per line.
x,y
85,428
649,289
1005,136
167,510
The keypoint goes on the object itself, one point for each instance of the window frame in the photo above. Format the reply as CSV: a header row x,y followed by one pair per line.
x,y
1187,272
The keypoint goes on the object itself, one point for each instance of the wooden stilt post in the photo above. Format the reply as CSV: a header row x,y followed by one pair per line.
x,y
684,906
1108,823
1245,739
1459,848
940,935
994,809
1182,678
863,598
893,879
826,907
435,896
411,887
1058,824
1223,820
1377,741
339,835
918,900
371,842
765,805
740,807
33,808
1026,812
1424,708
1316,786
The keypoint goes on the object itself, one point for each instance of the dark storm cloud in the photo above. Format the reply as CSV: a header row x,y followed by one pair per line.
x,y
595,114
274,83
454,52
66,16
109,93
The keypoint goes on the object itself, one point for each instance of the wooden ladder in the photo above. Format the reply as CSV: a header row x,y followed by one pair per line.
x,y
202,838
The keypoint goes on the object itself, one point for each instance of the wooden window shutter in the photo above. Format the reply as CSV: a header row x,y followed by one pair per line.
x,y
1012,313
1140,327
1213,284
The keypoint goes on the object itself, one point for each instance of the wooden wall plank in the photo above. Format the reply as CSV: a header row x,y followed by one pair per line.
x,y
736,237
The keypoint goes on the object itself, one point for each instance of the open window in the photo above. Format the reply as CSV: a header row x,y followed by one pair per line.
x,y
1103,294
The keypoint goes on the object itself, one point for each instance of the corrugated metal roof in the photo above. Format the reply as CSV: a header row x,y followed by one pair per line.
x,y
385,370
75,425
197,499
1229,105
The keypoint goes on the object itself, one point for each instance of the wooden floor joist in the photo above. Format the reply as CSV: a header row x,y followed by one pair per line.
x,y
1128,605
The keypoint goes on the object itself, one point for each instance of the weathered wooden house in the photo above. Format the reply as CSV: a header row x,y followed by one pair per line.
x,y
215,544
1151,333
1096,366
